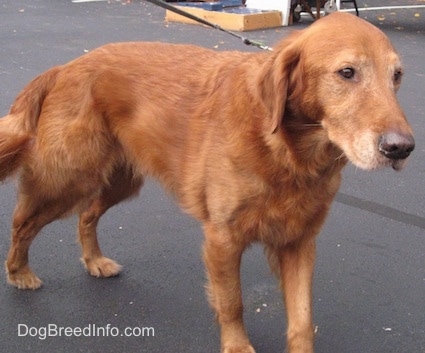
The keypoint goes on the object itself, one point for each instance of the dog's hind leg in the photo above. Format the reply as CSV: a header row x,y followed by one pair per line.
x,y
30,216
122,185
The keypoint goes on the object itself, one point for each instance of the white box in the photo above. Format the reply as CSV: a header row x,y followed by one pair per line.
x,y
283,6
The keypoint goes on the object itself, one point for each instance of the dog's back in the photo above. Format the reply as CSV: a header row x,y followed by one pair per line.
x,y
126,99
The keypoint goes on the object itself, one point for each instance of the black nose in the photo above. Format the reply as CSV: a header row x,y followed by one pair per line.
x,y
396,146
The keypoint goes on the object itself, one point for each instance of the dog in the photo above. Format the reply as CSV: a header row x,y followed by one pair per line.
x,y
250,144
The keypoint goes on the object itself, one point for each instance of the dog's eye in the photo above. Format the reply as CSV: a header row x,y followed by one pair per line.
x,y
347,72
397,75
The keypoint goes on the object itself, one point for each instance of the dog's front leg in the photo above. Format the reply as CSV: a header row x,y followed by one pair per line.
x,y
222,256
296,263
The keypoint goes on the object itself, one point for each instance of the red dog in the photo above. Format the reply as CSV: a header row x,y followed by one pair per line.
x,y
252,145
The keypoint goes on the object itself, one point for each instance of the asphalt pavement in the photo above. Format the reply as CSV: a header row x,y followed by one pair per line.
x,y
369,291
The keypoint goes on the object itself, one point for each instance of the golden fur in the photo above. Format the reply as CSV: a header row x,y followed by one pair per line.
x,y
251,144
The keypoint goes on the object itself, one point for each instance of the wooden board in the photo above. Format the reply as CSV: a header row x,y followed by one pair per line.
x,y
233,21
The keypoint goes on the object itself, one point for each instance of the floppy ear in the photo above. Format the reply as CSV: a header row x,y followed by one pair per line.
x,y
277,78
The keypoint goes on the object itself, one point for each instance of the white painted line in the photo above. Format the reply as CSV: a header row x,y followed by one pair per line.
x,y
77,1
398,7
391,7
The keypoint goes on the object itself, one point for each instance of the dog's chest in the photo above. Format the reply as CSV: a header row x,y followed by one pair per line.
x,y
282,216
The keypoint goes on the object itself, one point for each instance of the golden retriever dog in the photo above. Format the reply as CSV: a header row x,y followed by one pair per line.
x,y
251,144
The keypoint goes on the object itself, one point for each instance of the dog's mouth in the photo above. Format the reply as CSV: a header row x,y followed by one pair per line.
x,y
368,154
398,164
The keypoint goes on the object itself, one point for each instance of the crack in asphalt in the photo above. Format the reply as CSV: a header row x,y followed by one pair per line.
x,y
381,210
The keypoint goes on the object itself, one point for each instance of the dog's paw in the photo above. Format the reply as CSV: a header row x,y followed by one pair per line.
x,y
238,349
102,267
24,279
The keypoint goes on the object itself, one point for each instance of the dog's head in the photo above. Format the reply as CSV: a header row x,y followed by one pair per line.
x,y
341,73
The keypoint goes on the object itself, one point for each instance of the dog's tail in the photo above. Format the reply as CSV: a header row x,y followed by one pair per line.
x,y
17,129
